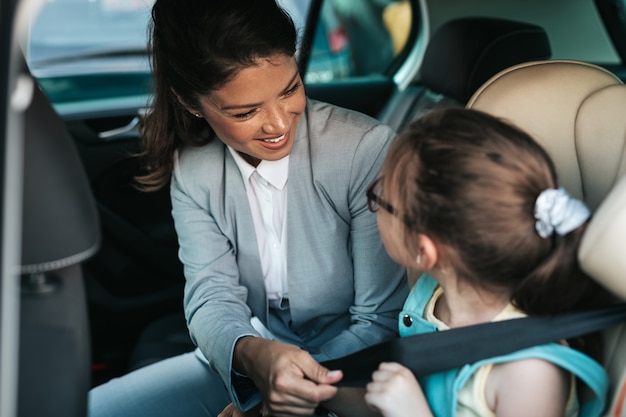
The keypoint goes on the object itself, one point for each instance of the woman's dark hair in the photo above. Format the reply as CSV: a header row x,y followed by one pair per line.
x,y
197,46
470,182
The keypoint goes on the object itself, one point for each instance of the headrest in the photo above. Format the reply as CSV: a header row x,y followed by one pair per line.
x,y
60,225
601,252
464,53
574,110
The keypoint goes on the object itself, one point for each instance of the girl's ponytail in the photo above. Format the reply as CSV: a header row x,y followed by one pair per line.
x,y
558,284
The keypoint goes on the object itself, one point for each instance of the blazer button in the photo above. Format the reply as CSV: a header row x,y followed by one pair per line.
x,y
407,320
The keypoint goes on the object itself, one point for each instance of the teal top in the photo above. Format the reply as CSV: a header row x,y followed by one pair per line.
x,y
441,389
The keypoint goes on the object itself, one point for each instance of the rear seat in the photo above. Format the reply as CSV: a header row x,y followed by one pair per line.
x,y
576,111
461,55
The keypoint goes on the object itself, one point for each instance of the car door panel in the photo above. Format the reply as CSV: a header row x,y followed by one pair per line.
x,y
136,276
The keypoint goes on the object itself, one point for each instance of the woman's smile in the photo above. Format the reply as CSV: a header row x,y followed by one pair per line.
x,y
277,140
257,112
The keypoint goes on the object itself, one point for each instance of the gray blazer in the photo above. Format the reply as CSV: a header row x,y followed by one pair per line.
x,y
344,291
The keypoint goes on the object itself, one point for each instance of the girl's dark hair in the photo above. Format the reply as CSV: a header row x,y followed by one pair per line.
x,y
470,182
197,46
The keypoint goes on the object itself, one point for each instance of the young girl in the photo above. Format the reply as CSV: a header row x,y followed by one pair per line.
x,y
473,202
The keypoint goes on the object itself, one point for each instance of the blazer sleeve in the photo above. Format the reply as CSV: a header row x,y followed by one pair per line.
x,y
379,284
212,286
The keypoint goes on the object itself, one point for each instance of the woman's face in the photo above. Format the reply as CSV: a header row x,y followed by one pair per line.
x,y
257,112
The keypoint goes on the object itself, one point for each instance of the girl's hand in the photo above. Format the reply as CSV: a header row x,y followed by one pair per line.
x,y
291,382
395,392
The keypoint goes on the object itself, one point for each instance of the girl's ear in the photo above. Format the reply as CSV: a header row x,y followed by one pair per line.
x,y
428,254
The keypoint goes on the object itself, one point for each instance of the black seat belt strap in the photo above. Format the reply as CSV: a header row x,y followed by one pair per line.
x,y
439,351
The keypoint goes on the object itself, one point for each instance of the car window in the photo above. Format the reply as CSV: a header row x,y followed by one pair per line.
x,y
90,49
82,50
357,38
96,49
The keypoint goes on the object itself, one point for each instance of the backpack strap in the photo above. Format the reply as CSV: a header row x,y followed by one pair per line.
x,y
582,366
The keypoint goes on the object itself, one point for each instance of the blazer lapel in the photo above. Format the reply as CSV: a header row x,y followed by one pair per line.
x,y
250,271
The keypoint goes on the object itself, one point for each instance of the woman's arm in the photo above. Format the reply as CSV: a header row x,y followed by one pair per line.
x,y
214,301
379,284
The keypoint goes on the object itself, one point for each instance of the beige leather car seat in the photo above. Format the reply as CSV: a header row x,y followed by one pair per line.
x,y
602,256
577,111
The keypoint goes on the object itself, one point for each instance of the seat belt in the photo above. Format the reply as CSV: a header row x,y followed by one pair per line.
x,y
430,353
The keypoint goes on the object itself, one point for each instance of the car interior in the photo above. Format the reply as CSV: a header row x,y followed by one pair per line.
x,y
100,281
461,55
470,52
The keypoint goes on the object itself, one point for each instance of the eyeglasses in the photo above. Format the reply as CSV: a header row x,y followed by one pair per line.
x,y
374,201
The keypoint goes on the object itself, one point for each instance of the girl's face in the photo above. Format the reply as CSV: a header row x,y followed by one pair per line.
x,y
393,231
257,112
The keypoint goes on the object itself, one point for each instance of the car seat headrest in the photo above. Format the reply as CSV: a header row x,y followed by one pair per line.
x,y
60,219
464,53
601,253
575,110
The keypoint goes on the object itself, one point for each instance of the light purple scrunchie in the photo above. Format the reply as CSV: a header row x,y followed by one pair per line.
x,y
557,211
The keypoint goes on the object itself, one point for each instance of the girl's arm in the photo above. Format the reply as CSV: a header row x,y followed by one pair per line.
x,y
528,387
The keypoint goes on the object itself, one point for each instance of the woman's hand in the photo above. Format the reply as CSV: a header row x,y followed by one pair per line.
x,y
395,392
291,382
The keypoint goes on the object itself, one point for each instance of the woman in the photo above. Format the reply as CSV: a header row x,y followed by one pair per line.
x,y
474,203
268,195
